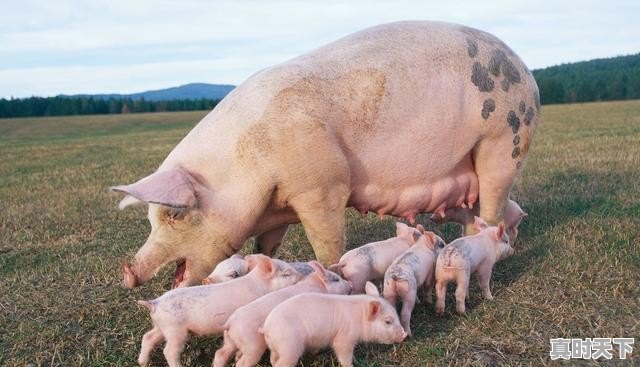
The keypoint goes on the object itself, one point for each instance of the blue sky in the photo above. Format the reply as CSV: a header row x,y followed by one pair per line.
x,y
74,46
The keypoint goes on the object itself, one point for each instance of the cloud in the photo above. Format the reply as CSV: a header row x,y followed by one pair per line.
x,y
72,46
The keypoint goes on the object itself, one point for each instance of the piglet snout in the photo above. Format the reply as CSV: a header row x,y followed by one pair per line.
x,y
129,276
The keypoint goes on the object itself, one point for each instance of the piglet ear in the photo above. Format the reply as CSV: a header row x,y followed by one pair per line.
x,y
500,231
336,268
172,188
431,239
318,268
479,224
374,309
262,263
371,290
401,229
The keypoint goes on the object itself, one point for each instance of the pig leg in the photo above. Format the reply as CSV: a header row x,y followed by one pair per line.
x,y
223,354
484,279
427,287
288,357
149,341
268,242
323,216
344,352
176,340
461,291
496,170
441,294
251,354
407,291
358,278
389,292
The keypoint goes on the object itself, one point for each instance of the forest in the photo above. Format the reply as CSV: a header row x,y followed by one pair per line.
x,y
87,105
616,78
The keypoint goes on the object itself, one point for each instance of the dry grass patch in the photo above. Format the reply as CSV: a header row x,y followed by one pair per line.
x,y
62,241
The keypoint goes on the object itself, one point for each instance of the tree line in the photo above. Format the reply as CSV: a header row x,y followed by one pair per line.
x,y
616,78
62,106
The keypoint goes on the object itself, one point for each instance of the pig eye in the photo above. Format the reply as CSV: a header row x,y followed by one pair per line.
x,y
175,213
286,273
388,321
233,274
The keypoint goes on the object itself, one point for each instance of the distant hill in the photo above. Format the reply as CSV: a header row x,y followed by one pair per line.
x,y
615,78
184,92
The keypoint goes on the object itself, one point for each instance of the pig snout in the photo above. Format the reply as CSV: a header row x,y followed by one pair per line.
x,y
402,335
129,276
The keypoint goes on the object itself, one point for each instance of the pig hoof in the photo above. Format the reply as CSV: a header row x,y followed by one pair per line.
x,y
129,277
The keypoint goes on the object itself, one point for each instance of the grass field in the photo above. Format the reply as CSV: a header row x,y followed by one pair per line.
x,y
62,240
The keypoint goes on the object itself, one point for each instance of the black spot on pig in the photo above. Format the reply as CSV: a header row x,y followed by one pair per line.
x,y
528,117
488,106
409,259
504,84
480,77
522,107
472,47
516,153
367,253
516,140
513,121
500,63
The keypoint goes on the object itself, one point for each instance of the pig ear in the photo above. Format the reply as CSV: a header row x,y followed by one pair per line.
x,y
479,224
401,229
129,200
172,188
318,268
371,290
500,231
431,239
336,268
416,236
264,263
374,309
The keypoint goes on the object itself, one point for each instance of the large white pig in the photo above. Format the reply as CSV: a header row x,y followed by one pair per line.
x,y
337,127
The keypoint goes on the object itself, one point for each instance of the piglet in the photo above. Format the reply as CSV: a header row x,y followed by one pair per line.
x,y
370,261
316,321
231,268
236,266
471,254
241,336
413,269
513,216
203,310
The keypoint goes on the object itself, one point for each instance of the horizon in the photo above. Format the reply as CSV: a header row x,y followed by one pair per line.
x,y
102,47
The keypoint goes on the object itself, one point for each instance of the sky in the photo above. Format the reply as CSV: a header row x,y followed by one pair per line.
x,y
111,46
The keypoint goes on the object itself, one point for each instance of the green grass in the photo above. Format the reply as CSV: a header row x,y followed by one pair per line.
x,y
62,241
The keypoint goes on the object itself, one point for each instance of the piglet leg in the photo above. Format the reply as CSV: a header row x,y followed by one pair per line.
x,y
149,341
